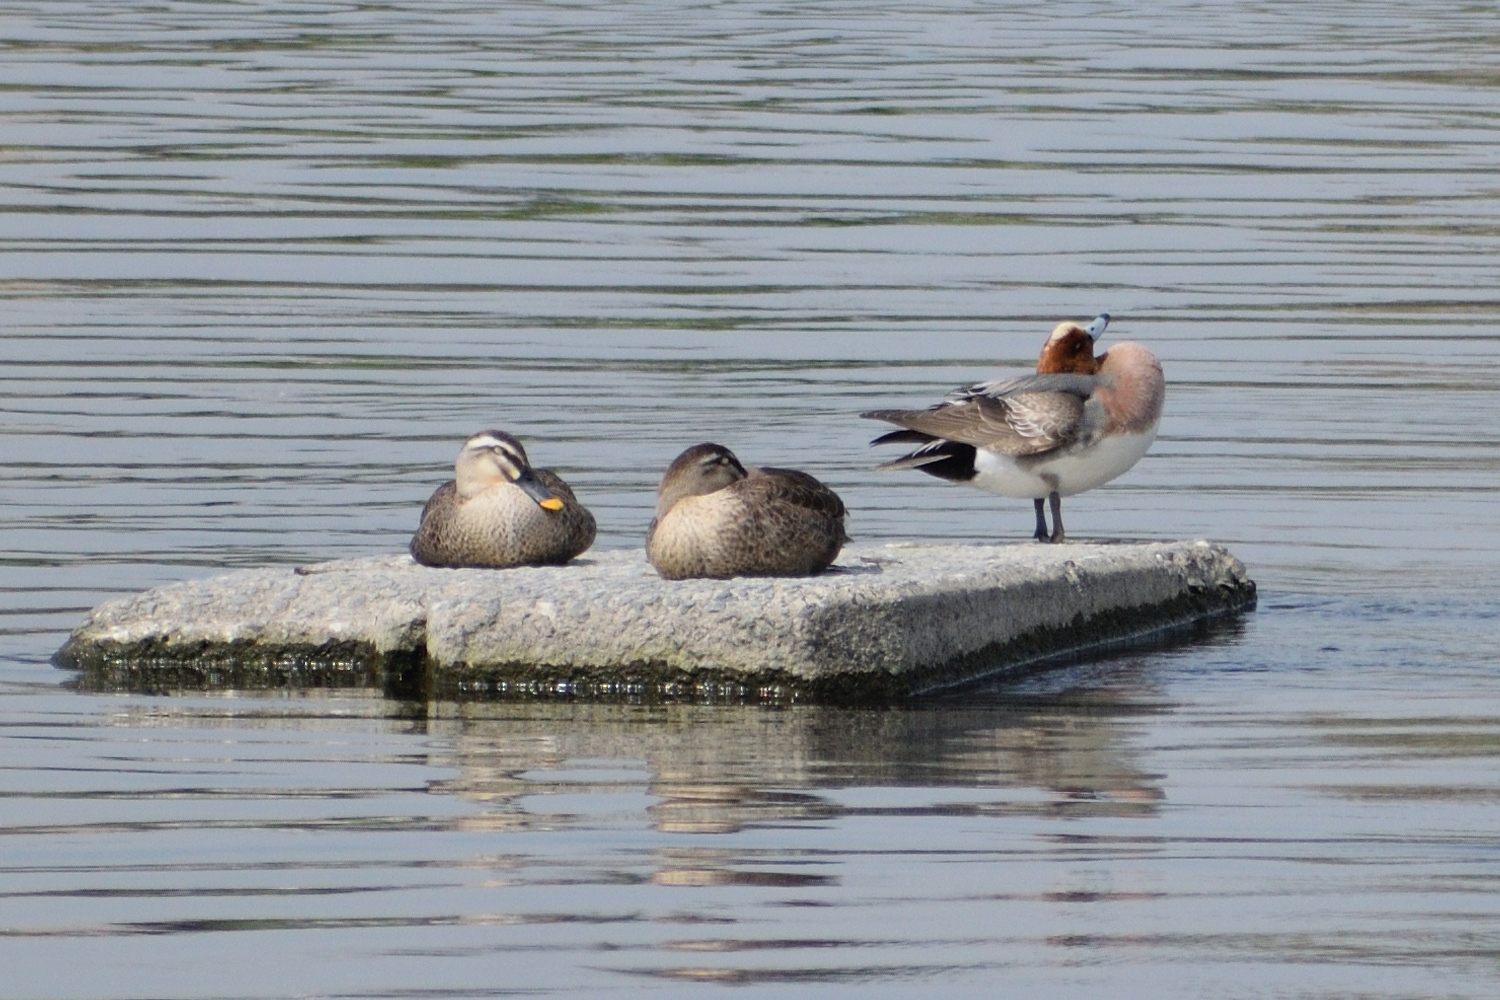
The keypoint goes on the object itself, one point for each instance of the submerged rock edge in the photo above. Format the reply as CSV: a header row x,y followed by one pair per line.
x,y
895,620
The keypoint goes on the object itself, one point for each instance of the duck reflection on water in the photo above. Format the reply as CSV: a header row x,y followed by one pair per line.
x,y
723,768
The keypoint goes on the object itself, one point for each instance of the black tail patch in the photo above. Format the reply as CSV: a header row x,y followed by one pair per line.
x,y
957,463
944,459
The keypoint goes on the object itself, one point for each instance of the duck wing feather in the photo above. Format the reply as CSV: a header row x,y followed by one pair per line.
x,y
1027,424
1028,415
772,486
1082,386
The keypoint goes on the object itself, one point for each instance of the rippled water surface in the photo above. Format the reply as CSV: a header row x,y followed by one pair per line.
x,y
264,266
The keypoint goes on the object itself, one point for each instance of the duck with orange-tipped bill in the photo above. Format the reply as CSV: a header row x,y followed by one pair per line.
x,y
498,511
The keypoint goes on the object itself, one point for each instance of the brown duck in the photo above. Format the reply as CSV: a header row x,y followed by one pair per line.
x,y
498,511
715,518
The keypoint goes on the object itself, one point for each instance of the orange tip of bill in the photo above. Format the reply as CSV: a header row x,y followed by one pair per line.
x,y
551,503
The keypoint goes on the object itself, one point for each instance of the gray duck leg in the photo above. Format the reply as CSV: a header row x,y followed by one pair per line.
x,y
1057,528
1041,522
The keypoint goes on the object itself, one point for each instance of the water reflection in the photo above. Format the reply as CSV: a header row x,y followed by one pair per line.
x,y
722,769
1064,824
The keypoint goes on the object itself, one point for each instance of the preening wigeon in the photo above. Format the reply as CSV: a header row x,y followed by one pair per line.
x,y
1079,422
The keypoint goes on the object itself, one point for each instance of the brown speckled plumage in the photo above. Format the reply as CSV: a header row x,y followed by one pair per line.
x,y
490,516
715,518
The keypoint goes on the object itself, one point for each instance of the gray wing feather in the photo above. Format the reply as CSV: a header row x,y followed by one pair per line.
x,y
1045,418
1025,424
1000,388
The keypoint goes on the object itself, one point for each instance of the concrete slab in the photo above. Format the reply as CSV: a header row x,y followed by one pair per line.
x,y
888,621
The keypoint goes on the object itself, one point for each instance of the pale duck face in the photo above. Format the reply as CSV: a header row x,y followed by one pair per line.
x,y
490,458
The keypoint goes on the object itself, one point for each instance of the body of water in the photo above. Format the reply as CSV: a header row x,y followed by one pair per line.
x,y
263,267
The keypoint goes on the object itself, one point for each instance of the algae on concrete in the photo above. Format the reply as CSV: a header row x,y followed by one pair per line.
x,y
887,621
